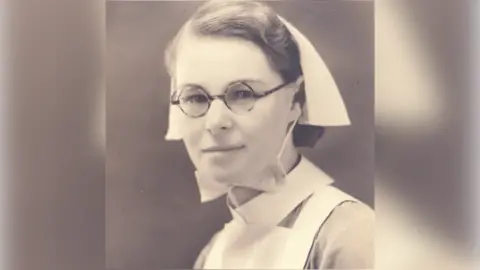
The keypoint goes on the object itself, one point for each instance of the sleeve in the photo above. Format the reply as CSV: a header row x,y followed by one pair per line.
x,y
346,239
200,261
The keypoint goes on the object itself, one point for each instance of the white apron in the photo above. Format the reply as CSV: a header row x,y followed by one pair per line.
x,y
251,246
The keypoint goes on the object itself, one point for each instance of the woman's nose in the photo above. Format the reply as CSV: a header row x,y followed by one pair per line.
x,y
218,117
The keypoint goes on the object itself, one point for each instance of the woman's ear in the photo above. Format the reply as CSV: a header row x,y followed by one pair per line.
x,y
299,82
296,86
296,111
296,104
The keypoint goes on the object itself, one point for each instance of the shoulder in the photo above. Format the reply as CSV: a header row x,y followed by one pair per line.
x,y
202,256
346,239
348,217
344,212
349,214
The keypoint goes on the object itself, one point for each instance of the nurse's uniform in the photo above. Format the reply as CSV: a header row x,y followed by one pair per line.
x,y
308,224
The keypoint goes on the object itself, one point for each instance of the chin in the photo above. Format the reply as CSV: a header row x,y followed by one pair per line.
x,y
221,174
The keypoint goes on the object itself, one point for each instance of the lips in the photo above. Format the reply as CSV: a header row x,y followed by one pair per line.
x,y
215,149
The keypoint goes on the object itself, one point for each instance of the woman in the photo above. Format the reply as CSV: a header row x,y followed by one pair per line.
x,y
248,89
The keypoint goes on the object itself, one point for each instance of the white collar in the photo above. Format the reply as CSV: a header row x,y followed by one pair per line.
x,y
271,208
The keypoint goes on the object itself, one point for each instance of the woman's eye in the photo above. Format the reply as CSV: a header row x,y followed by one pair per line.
x,y
199,98
242,94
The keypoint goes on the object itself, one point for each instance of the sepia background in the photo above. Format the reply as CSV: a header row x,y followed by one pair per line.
x,y
154,218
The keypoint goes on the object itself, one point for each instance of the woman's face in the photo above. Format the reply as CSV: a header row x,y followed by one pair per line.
x,y
225,144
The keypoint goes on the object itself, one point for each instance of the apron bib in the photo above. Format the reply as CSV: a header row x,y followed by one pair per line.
x,y
254,246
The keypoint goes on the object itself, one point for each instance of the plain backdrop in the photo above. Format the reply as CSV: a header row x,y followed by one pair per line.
x,y
154,218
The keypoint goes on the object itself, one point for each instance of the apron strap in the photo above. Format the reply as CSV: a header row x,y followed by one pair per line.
x,y
313,215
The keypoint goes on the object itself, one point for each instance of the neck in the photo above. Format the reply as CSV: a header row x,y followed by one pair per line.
x,y
240,195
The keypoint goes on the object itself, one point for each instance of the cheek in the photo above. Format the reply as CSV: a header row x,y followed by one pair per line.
x,y
192,133
267,130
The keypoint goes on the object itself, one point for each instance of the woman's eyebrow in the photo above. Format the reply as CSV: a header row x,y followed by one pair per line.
x,y
192,85
246,81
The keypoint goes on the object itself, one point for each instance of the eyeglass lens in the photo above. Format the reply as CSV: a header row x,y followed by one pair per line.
x,y
195,102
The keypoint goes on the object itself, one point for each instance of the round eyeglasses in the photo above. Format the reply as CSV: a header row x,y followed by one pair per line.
x,y
239,98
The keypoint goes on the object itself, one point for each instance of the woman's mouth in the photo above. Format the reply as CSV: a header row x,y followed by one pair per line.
x,y
223,149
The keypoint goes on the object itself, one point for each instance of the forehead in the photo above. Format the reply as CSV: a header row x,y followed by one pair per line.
x,y
215,61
